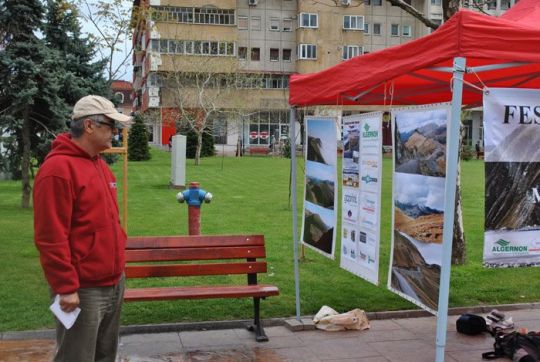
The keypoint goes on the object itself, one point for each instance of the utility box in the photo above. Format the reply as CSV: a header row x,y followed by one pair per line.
x,y
178,162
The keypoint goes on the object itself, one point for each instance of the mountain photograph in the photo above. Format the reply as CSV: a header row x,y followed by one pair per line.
x,y
418,236
420,142
321,141
320,192
318,229
412,274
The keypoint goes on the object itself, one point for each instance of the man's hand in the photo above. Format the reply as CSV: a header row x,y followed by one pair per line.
x,y
68,302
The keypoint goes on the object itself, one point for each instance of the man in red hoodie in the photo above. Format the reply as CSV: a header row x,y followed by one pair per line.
x,y
78,233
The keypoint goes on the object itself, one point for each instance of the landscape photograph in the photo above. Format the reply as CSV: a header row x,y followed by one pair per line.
x,y
321,141
418,232
320,184
420,141
319,224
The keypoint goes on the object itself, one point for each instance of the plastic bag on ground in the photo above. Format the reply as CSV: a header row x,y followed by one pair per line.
x,y
329,320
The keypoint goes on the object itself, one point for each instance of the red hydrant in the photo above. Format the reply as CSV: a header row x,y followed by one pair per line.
x,y
194,197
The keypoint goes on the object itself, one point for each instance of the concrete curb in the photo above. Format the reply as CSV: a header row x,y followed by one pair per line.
x,y
272,322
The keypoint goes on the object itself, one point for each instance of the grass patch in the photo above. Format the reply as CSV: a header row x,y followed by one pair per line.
x,y
250,196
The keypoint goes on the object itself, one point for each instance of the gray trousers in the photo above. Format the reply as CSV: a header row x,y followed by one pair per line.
x,y
94,336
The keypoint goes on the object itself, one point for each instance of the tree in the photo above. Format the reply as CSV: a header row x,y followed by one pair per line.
x,y
30,108
81,74
138,149
111,21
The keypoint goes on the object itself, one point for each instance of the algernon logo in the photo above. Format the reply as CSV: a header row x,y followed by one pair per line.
x,y
367,179
368,133
503,246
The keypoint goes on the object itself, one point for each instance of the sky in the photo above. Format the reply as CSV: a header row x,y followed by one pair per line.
x,y
410,120
320,171
326,131
419,190
87,27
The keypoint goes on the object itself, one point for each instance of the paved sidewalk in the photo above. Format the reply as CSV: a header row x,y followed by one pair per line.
x,y
398,339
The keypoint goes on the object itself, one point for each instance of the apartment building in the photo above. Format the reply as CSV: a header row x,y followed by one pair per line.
x,y
251,47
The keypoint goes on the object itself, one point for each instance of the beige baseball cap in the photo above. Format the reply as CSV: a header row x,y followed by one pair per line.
x,y
92,105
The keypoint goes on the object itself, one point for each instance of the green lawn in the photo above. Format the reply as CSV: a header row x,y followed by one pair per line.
x,y
250,196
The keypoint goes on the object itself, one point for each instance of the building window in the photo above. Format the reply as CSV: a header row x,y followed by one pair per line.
x,y
353,22
286,55
242,53
119,97
376,2
307,51
505,4
207,15
255,54
394,30
436,21
436,2
242,22
308,20
274,24
377,28
366,28
406,31
155,45
219,130
492,5
188,47
274,55
255,23
287,24
350,51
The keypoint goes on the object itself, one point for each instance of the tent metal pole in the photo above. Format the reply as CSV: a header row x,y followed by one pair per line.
x,y
292,137
452,151
481,68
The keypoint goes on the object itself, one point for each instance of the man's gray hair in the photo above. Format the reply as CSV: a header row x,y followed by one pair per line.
x,y
77,125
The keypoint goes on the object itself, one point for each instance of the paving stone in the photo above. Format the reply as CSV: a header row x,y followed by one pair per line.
x,y
172,337
318,335
294,325
405,351
208,338
341,348
384,325
391,335
294,354
30,350
308,323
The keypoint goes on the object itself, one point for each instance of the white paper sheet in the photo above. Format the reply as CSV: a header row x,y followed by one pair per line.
x,y
67,319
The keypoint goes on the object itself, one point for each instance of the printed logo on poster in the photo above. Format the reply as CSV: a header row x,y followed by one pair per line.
x,y
370,131
503,246
350,205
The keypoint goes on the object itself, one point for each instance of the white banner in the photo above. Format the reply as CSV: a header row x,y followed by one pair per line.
x,y
320,196
512,153
418,203
362,172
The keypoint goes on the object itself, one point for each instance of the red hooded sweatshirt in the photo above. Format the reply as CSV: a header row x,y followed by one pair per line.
x,y
76,220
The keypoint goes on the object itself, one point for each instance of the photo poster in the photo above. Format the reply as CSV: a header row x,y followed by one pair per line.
x,y
361,192
320,195
512,169
419,135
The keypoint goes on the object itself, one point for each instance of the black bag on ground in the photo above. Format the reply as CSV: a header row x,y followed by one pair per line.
x,y
471,324
519,347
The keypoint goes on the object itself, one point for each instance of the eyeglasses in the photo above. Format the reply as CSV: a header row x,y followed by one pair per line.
x,y
112,126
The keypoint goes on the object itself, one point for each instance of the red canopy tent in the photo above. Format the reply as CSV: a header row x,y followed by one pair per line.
x,y
473,50
411,73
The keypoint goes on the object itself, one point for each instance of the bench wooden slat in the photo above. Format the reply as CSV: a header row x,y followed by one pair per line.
x,y
171,270
149,294
192,241
182,254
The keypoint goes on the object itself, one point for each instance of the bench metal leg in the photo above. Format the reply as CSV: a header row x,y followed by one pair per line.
x,y
257,327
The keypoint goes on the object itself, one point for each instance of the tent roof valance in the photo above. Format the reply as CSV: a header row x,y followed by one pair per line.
x,y
414,73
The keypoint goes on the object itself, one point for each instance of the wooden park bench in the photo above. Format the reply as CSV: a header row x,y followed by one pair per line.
x,y
183,256
259,151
